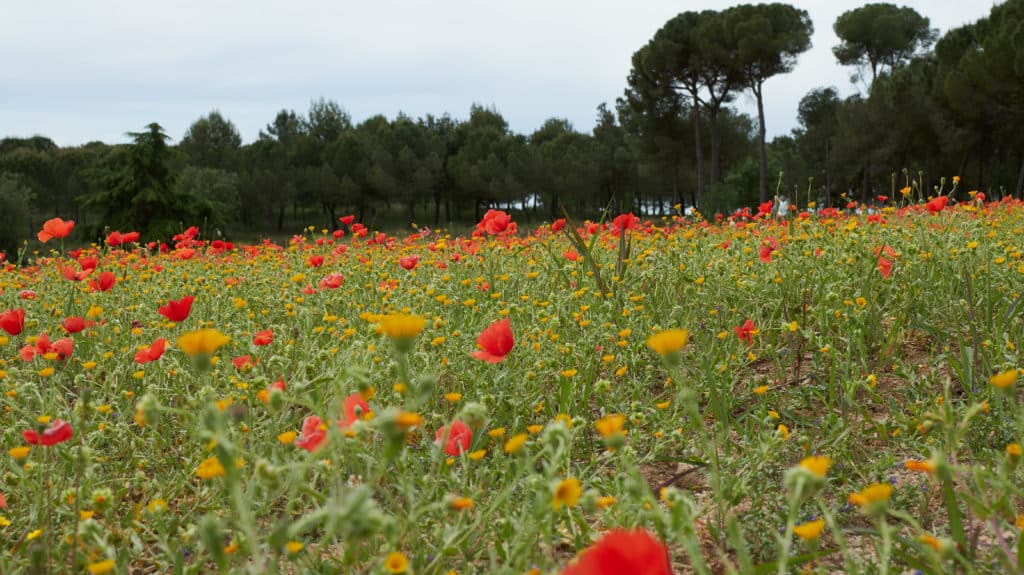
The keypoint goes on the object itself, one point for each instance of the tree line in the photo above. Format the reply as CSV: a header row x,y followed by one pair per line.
x,y
927,107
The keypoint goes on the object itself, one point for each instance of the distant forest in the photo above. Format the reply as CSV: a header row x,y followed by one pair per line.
x,y
928,107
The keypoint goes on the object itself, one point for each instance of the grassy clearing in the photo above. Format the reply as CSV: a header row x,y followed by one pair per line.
x,y
334,418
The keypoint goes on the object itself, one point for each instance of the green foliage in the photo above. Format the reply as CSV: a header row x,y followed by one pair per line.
x,y
138,190
880,36
212,142
15,214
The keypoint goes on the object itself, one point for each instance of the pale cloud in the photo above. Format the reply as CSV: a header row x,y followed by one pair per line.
x,y
81,71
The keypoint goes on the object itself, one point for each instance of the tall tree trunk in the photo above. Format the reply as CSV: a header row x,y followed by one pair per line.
x,y
828,175
761,150
716,146
698,145
866,184
1020,179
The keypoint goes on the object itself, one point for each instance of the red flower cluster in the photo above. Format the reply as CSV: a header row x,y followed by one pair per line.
x,y
116,238
58,431
63,347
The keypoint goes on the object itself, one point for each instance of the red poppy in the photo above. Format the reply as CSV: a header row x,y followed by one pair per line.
x,y
58,431
55,228
103,282
746,332
88,263
558,225
495,341
332,281
116,238
885,263
316,261
618,552
264,337
767,248
496,222
177,311
355,408
243,363
70,274
936,205
347,220
624,222
74,324
409,262
13,321
151,353
885,267
3,501
571,255
64,347
314,433
27,294
456,438
765,208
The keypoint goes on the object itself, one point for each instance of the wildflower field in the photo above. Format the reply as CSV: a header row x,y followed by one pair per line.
x,y
826,391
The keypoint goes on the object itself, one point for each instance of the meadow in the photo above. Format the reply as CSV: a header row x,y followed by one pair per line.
x,y
829,390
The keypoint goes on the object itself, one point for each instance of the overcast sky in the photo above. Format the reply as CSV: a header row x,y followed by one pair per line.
x,y
82,71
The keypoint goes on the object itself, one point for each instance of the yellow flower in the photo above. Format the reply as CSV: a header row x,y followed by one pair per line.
x,y
294,546
46,372
810,530
101,567
460,503
515,443
1005,379
605,501
565,419
783,431
567,493
610,425
401,326
33,535
287,437
4,522
407,419
210,468
452,397
761,389
478,454
157,506
920,466
534,429
817,464
1013,450
20,452
396,562
496,432
569,373
871,494
202,342
668,341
